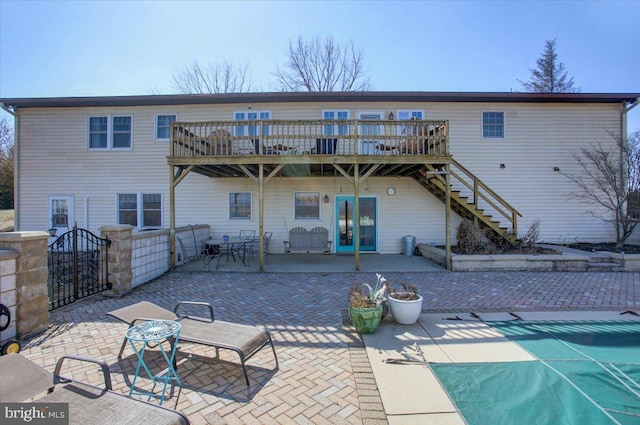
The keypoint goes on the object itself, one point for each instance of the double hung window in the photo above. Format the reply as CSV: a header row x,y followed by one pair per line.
x,y
140,210
306,205
240,206
248,128
493,124
109,132
163,126
407,115
335,129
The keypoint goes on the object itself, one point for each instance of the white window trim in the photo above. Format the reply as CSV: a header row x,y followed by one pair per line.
x,y
109,132
504,125
140,208
155,127
250,218
319,205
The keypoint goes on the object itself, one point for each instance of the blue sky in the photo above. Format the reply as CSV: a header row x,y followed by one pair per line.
x,y
95,48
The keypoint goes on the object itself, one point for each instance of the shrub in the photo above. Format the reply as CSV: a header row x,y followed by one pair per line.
x,y
469,237
533,234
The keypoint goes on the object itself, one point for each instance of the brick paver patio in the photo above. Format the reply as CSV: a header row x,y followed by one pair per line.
x,y
324,375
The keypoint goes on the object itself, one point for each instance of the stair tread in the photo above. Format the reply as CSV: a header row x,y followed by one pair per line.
x,y
460,204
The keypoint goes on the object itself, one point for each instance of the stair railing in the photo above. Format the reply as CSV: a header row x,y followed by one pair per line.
x,y
482,192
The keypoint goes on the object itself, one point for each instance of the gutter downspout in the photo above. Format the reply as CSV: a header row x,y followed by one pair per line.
x,y
16,162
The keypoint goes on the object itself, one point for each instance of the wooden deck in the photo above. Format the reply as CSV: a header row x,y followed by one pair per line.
x,y
307,147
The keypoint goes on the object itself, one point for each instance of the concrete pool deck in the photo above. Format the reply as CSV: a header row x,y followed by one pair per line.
x,y
410,392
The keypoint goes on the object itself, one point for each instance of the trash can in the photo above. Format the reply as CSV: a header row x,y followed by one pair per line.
x,y
409,245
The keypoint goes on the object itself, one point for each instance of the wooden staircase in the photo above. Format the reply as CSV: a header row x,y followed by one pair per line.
x,y
467,204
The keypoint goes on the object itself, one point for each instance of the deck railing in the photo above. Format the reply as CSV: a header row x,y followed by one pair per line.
x,y
309,137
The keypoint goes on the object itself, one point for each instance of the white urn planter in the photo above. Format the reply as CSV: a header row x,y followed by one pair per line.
x,y
405,312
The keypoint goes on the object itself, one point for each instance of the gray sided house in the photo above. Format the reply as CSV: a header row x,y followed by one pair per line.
x,y
404,163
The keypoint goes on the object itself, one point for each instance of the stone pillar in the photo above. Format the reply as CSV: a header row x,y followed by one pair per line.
x,y
8,260
32,297
119,260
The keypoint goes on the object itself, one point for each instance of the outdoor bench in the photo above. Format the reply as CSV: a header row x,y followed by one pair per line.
x,y
302,240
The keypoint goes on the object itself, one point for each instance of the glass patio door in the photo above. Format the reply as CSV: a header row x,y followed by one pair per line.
x,y
345,232
369,133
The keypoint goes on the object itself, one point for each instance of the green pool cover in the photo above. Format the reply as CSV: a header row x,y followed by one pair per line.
x,y
587,373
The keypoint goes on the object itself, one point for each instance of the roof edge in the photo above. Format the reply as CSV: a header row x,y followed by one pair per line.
x,y
282,97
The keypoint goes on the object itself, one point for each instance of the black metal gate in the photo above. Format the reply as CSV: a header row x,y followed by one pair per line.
x,y
77,267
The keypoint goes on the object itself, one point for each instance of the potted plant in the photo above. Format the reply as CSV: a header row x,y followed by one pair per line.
x,y
405,305
365,305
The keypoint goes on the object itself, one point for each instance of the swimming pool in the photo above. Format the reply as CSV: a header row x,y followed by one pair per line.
x,y
583,372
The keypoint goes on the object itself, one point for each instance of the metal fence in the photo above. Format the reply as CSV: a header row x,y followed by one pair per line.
x,y
77,263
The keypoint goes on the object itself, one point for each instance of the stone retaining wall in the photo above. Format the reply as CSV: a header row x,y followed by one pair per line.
x,y
562,261
508,262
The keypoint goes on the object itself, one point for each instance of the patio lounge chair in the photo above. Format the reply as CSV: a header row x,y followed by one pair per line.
x,y
243,339
24,381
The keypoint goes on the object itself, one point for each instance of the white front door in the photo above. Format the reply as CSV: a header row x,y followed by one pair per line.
x,y
61,212
368,132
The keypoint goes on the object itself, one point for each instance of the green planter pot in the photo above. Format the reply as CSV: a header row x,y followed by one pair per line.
x,y
365,320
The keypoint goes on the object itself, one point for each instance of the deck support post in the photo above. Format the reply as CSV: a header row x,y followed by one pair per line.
x,y
172,219
261,213
447,215
356,212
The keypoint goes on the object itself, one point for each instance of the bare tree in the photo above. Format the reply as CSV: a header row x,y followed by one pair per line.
x,y
321,65
610,178
550,75
222,77
6,164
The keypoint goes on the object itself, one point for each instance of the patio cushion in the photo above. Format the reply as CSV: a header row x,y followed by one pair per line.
x,y
30,379
21,380
92,405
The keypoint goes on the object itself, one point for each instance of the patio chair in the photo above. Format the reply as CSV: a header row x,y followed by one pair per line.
x,y
245,340
22,381
221,142
248,249
267,241
247,234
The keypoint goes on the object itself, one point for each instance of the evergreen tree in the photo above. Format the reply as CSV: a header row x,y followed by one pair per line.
x,y
550,76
